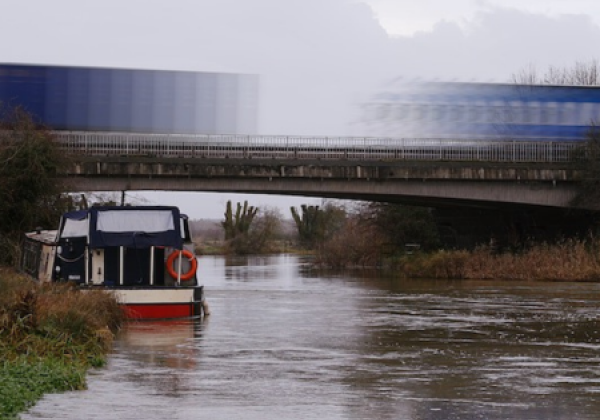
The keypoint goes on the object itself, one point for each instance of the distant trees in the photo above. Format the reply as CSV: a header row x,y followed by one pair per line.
x,y
30,189
580,74
340,237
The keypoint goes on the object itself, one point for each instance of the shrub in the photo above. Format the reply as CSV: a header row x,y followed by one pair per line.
x,y
49,335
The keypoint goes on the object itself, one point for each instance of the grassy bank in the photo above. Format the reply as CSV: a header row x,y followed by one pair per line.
x,y
570,260
50,335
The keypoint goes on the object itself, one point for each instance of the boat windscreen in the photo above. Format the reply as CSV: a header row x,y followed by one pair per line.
x,y
135,227
151,221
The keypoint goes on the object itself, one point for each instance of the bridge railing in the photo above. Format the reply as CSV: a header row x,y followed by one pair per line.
x,y
325,148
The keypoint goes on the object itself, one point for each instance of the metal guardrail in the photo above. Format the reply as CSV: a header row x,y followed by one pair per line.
x,y
324,148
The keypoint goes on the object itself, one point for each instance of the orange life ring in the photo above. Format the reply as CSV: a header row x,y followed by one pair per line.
x,y
193,264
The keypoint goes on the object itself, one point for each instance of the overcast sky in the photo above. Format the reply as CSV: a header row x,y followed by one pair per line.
x,y
316,58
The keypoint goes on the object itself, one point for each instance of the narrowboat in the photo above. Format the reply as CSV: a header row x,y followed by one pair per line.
x,y
142,254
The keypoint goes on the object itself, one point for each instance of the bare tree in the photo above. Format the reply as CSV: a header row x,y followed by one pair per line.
x,y
264,230
580,74
358,243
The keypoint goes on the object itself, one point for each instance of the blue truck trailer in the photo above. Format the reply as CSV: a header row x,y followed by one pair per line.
x,y
126,100
483,111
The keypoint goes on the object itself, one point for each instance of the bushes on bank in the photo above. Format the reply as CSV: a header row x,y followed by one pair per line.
x,y
50,334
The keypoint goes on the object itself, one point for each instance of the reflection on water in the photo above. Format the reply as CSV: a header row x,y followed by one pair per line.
x,y
284,342
166,343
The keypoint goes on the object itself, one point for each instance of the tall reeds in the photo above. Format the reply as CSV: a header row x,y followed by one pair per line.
x,y
568,260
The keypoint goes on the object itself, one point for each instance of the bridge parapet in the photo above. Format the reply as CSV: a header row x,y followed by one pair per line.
x,y
307,148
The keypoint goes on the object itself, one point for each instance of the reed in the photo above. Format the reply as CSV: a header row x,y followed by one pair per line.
x,y
50,334
567,260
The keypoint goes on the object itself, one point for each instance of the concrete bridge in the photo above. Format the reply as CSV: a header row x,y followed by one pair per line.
x,y
425,172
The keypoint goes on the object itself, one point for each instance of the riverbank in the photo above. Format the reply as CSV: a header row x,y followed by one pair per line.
x,y
569,260
50,335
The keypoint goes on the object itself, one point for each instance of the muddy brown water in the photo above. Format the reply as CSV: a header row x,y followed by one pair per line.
x,y
284,342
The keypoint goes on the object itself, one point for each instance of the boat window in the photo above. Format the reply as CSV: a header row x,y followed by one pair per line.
x,y
75,228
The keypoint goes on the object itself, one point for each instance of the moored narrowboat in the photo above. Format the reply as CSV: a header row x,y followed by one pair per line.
x,y
142,254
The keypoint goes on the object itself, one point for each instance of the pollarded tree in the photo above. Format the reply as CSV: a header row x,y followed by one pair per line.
x,y
30,186
316,224
238,224
309,224
237,227
250,231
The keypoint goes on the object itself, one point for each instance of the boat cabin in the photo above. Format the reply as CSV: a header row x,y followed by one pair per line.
x,y
115,246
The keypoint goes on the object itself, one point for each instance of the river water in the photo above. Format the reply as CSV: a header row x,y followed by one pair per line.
x,y
284,342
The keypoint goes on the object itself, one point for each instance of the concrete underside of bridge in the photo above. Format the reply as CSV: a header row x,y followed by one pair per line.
x,y
439,183
426,193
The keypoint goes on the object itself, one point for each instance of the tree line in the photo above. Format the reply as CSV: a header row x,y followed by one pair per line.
x,y
339,235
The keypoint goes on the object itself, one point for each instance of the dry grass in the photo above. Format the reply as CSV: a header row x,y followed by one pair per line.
x,y
569,260
440,264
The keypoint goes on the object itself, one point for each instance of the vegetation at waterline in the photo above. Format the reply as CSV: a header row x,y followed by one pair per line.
x,y
377,235
371,233
50,334
568,260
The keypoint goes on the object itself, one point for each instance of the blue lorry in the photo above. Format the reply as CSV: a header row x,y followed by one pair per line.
x,y
483,111
125,100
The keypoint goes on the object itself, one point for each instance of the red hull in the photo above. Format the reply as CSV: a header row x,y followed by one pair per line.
x,y
160,311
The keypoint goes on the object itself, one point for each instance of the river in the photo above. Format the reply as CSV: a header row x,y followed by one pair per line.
x,y
284,342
